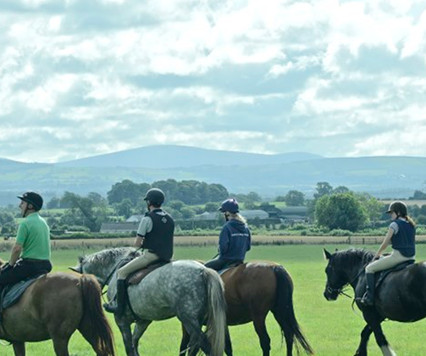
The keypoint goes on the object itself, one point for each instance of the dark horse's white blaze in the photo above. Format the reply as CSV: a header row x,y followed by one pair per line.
x,y
185,289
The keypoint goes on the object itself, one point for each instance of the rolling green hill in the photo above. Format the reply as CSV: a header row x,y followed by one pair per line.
x,y
268,175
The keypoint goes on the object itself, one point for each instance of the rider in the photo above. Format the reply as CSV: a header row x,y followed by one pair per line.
x,y
30,255
155,237
234,239
401,234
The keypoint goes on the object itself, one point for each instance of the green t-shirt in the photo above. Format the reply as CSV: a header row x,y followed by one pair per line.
x,y
34,237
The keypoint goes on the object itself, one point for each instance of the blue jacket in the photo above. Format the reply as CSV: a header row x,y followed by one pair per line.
x,y
234,240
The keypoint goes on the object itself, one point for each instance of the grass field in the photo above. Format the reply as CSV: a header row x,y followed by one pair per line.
x,y
332,328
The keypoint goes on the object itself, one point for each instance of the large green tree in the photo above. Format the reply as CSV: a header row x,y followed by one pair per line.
x,y
340,211
127,190
84,211
294,198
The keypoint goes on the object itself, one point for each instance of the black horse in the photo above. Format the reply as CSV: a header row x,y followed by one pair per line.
x,y
401,296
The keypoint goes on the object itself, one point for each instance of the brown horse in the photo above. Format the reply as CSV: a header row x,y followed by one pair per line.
x,y
252,290
53,307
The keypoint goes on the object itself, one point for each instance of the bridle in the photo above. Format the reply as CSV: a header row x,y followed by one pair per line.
x,y
340,290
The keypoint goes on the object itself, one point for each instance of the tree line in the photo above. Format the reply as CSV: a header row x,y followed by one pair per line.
x,y
330,208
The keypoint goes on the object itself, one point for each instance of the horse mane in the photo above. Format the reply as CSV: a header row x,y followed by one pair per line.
x,y
105,257
353,256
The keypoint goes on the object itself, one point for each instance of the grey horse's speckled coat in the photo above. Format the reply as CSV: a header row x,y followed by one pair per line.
x,y
185,289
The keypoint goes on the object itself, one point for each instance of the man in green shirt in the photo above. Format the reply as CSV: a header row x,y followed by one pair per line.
x,y
30,255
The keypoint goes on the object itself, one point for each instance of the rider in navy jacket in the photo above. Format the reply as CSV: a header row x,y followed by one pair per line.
x,y
234,239
402,235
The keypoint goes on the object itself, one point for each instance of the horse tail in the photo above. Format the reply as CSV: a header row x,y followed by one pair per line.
x,y
94,325
216,312
283,309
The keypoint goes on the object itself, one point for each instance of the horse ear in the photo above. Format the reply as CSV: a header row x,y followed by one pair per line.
x,y
327,255
80,259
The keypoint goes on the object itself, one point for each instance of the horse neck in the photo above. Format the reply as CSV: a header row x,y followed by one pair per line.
x,y
355,268
106,263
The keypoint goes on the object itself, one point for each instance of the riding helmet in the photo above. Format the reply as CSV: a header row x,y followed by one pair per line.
x,y
32,198
230,205
398,207
155,196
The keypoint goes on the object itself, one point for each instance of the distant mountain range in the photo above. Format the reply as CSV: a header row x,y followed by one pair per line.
x,y
239,172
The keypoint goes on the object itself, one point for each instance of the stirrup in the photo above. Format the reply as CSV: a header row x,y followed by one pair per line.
x,y
111,307
366,300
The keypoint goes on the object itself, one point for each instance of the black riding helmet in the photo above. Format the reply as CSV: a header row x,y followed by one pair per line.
x,y
32,198
154,196
230,205
398,207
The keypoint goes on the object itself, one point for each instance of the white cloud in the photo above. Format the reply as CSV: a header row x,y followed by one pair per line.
x,y
330,76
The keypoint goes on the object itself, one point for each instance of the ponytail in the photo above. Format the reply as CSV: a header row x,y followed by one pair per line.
x,y
239,217
410,221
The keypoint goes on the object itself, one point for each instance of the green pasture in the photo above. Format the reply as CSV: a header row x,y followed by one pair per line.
x,y
332,328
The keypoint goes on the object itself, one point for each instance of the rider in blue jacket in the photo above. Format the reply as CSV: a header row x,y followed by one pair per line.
x,y
234,239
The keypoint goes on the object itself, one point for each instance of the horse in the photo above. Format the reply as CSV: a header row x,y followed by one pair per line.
x,y
184,288
252,290
401,295
53,307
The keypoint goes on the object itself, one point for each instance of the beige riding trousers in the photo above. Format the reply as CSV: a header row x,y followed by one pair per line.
x,y
386,262
140,262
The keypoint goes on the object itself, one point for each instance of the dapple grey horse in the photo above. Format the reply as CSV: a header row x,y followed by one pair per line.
x,y
185,289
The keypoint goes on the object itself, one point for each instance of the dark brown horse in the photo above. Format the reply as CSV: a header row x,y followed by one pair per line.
x,y
252,290
53,307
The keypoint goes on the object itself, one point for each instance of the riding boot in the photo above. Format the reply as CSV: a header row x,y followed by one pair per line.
x,y
117,305
368,297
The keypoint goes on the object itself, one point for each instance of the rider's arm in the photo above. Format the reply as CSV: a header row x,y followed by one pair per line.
x,y
139,241
16,252
385,243
145,226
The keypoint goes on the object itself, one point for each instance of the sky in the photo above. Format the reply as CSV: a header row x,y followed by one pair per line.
x,y
336,78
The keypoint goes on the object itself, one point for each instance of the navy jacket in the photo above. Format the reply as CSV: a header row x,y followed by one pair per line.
x,y
234,240
404,240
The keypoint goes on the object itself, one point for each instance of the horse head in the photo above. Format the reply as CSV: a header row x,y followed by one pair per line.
x,y
343,268
334,282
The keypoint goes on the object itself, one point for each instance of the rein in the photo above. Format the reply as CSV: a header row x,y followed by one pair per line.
x,y
131,254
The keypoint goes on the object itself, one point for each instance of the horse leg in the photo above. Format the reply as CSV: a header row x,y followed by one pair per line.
x,y
228,344
197,339
138,331
19,348
262,333
381,341
365,335
184,342
60,344
126,334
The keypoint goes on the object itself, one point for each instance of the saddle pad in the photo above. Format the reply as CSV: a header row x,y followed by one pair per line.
x,y
14,292
229,266
137,276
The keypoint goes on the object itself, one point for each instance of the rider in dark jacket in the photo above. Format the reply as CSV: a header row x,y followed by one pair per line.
x,y
401,235
234,239
155,237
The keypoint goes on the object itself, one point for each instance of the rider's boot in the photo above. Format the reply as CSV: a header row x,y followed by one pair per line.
x,y
117,304
368,297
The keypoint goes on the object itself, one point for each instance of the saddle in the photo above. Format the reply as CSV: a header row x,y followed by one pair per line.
x,y
11,293
137,276
380,276
229,266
